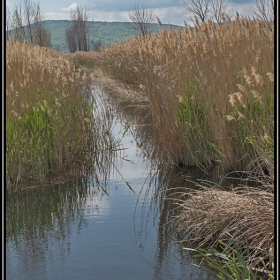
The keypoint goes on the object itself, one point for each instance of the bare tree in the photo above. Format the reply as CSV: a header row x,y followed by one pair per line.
x,y
78,34
70,39
218,10
200,8
264,10
17,24
8,23
43,38
141,19
97,45
27,24
203,10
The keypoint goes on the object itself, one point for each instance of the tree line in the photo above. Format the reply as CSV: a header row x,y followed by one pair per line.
x,y
79,37
218,10
26,22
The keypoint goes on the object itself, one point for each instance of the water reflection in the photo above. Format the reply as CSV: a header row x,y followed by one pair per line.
x,y
39,225
80,229
163,181
115,226
169,257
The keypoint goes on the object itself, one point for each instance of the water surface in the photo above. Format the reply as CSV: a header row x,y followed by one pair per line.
x,y
118,227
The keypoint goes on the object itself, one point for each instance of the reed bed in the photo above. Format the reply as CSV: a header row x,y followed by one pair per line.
x,y
211,93
210,88
244,215
83,59
50,128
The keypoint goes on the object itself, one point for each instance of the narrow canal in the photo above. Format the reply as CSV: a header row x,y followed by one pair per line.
x,y
110,227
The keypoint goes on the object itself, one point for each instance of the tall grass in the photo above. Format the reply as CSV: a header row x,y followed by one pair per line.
x,y
230,261
49,116
195,79
244,215
211,93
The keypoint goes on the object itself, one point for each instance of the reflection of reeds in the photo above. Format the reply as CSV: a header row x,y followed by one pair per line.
x,y
159,184
49,215
211,93
49,117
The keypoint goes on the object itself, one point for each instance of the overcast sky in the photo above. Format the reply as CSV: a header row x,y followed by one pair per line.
x,y
169,11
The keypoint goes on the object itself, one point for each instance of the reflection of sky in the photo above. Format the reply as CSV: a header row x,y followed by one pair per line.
x,y
97,206
106,237
130,164
129,168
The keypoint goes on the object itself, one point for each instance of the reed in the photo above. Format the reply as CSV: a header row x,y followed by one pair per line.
x,y
49,116
211,93
192,77
241,216
83,59
230,261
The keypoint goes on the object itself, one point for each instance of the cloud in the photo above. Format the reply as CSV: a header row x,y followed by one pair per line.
x,y
108,16
127,5
168,11
176,14
56,16
173,15
244,9
235,2
71,7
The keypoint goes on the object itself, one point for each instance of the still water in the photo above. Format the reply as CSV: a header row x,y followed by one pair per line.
x,y
114,228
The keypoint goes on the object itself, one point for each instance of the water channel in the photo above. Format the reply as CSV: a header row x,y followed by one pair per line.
x,y
118,226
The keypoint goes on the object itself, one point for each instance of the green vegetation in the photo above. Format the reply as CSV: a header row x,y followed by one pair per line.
x,y
211,93
50,128
210,87
106,32
232,261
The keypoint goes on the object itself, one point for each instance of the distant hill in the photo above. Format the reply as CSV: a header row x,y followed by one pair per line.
x,y
107,32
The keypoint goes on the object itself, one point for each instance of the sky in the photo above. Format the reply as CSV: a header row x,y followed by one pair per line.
x,y
168,11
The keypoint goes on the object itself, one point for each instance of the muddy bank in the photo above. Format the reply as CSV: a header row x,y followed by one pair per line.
x,y
115,87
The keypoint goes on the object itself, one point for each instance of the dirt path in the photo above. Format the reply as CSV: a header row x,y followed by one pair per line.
x,y
115,87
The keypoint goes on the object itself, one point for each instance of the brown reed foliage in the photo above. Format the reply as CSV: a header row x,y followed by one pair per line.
x,y
48,117
84,59
211,93
188,75
244,212
30,69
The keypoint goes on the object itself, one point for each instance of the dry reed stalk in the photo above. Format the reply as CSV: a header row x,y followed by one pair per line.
x,y
43,99
209,56
239,211
255,110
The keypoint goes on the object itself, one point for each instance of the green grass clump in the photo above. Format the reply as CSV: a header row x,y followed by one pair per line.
x,y
49,118
232,262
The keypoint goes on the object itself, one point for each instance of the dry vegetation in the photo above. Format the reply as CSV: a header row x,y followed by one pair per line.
x,y
240,213
211,92
210,88
83,59
49,116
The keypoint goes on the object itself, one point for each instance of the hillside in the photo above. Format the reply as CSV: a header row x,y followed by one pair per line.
x,y
107,32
